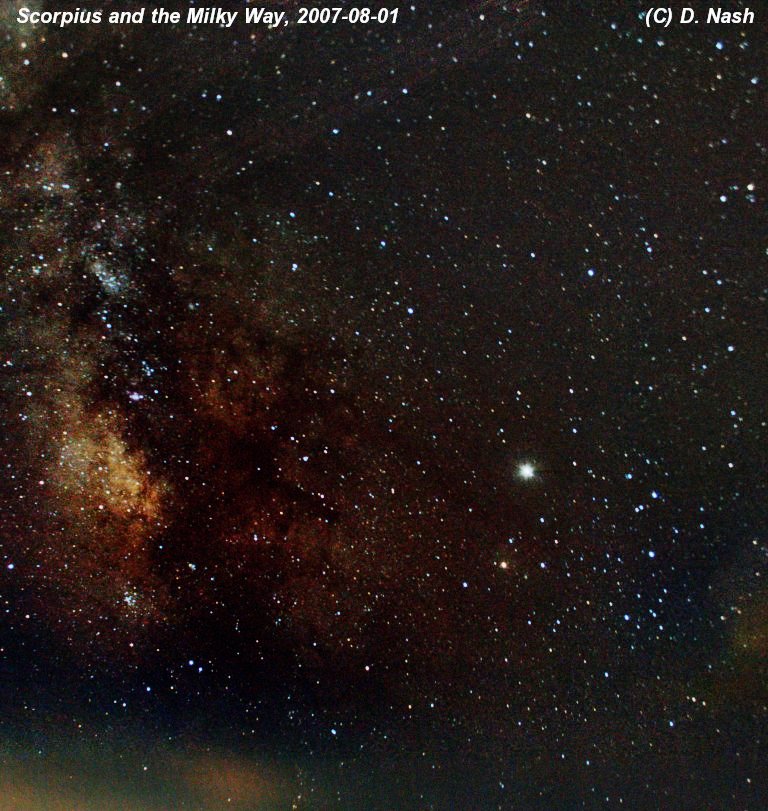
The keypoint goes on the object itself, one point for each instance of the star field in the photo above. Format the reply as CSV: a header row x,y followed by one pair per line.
x,y
383,413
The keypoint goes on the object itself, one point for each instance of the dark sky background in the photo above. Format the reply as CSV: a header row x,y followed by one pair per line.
x,y
383,413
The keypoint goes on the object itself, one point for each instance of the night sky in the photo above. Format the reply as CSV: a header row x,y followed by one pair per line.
x,y
384,413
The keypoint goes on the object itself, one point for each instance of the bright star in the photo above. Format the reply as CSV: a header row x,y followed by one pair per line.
x,y
526,471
